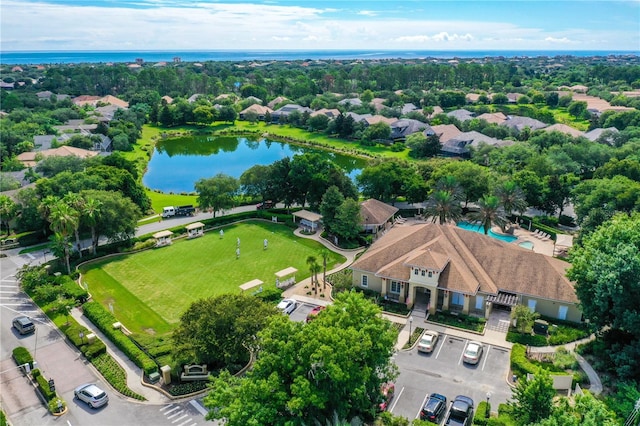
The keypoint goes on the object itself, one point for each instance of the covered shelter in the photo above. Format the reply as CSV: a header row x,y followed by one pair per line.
x,y
376,215
286,277
308,219
163,238
195,229
251,284
563,243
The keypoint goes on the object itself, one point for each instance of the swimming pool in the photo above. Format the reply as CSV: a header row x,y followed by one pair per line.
x,y
478,228
526,244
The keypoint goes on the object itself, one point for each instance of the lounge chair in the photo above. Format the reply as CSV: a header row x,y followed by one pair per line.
x,y
537,233
546,237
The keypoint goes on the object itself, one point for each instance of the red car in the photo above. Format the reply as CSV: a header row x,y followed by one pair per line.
x,y
387,390
314,312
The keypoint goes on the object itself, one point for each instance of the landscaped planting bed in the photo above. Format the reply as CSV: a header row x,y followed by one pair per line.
x,y
460,320
115,375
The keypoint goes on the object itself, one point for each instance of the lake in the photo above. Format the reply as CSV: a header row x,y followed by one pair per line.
x,y
178,163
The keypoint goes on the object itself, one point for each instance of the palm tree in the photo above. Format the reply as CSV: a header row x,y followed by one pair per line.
x,y
325,257
313,266
490,212
91,213
450,184
63,219
76,202
46,205
443,206
511,197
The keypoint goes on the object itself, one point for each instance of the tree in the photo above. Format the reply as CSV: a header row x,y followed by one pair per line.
x,y
116,218
618,194
309,372
490,212
90,215
422,146
577,108
443,207
348,220
8,212
325,255
331,202
511,197
228,114
63,220
605,269
318,123
385,181
524,318
220,331
533,399
255,181
314,268
557,191
472,178
76,202
377,131
217,192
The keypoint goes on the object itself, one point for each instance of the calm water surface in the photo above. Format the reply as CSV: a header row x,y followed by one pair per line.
x,y
178,163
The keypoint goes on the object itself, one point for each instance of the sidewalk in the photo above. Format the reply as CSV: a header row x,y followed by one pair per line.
x,y
133,372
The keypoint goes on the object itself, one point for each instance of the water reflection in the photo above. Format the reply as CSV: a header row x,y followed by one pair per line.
x,y
178,163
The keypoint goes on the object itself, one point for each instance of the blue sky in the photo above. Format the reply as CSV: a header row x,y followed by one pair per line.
x,y
610,25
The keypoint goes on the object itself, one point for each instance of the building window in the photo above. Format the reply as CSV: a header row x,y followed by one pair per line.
x,y
430,274
365,281
395,287
562,312
415,271
479,303
532,305
423,273
457,299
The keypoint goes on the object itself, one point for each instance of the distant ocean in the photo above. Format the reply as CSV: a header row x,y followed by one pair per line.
x,y
153,56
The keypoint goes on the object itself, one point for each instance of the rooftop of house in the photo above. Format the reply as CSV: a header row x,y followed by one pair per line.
x,y
375,212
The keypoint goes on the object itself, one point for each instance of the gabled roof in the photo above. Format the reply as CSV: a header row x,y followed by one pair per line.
x,y
289,108
446,131
375,212
408,107
194,97
276,101
595,134
358,117
563,128
406,126
493,118
331,113
351,101
257,108
476,262
112,100
519,123
461,114
373,119
29,158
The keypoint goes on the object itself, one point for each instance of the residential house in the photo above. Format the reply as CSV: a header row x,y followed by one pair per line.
x,y
461,115
436,110
446,132
102,143
83,100
167,99
369,119
404,127
254,100
492,118
563,128
31,158
277,101
260,110
352,102
378,104
459,145
76,126
376,215
286,110
596,134
446,268
194,97
512,98
408,107
331,113
112,100
106,113
518,123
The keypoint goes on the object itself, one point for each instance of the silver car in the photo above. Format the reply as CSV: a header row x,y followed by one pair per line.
x,y
92,395
428,341
287,306
472,352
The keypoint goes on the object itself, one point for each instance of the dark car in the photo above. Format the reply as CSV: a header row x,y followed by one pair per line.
x,y
23,325
434,408
461,412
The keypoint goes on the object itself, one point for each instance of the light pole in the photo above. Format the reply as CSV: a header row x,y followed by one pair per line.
x,y
488,410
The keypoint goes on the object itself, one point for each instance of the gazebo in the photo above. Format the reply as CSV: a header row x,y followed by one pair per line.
x,y
308,219
286,277
163,238
195,230
563,243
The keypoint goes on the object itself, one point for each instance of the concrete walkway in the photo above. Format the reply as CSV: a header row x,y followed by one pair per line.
x,y
133,372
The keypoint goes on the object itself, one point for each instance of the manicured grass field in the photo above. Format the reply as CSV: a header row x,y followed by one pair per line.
x,y
148,291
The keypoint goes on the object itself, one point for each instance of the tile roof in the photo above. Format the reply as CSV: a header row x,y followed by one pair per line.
x,y
446,131
375,212
475,262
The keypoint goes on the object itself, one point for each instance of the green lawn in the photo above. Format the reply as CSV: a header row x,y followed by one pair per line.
x,y
151,289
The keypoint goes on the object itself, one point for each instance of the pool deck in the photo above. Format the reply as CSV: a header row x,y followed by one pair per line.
x,y
539,246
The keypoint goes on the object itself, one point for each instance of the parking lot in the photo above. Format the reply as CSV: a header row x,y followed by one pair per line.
x,y
443,371
301,312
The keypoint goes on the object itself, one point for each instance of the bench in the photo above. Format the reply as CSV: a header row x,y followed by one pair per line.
x,y
194,373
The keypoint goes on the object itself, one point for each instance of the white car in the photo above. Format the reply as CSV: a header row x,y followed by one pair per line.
x,y
287,306
472,352
91,394
428,341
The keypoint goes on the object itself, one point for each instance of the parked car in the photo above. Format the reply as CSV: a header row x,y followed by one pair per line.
x,y
287,305
264,205
388,390
472,352
23,325
314,312
91,394
428,341
434,408
461,412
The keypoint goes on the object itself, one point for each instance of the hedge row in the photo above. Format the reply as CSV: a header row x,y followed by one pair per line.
x,y
104,320
526,339
90,351
520,364
43,385
115,375
22,356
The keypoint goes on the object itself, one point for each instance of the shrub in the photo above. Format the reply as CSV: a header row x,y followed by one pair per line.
x,y
94,349
520,365
72,290
57,405
269,294
562,334
187,388
526,339
564,360
43,385
480,417
104,320
22,356
115,375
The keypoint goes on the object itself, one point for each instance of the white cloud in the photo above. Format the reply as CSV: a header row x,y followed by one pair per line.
x,y
183,24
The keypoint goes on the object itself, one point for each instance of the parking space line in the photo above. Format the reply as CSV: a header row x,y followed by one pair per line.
x,y
444,338
422,405
486,357
180,418
462,353
395,400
